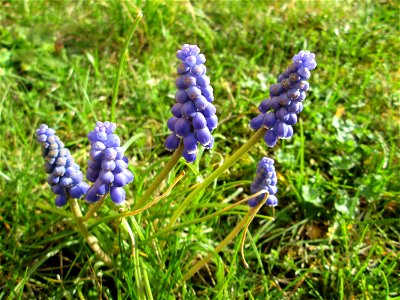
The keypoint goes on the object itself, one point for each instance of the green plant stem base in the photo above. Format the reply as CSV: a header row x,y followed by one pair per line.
x,y
221,245
90,239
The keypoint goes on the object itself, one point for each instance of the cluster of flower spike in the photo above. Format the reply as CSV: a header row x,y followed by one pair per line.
x,y
65,177
193,113
265,180
279,113
107,165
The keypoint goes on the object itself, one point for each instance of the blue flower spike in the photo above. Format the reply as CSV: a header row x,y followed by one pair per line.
x,y
65,177
265,180
279,113
194,116
107,167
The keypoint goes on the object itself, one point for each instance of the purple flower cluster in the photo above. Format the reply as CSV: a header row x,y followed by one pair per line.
x,y
265,180
193,113
279,113
65,177
107,165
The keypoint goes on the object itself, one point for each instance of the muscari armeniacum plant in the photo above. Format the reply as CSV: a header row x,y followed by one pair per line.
x,y
192,122
292,83
193,114
66,181
277,115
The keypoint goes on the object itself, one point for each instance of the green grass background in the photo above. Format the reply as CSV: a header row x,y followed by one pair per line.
x,y
336,233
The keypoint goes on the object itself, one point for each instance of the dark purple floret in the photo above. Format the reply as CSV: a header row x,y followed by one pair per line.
x,y
279,113
172,142
265,180
108,167
193,114
65,177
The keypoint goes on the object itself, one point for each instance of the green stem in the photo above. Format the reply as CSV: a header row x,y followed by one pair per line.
x,y
161,176
226,241
252,215
121,62
228,163
90,239
94,208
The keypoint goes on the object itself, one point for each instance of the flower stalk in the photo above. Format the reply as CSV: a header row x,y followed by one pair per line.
x,y
94,208
227,164
90,239
206,218
160,177
245,222
193,270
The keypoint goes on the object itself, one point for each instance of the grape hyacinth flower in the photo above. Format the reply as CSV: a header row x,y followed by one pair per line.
x,y
107,167
279,113
193,113
65,177
265,180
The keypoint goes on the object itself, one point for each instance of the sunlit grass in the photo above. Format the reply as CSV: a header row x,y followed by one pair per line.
x,y
336,227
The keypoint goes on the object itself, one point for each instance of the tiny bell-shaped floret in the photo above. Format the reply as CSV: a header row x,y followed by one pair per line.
x,y
172,142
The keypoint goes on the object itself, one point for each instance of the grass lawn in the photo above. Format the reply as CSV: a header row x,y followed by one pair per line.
x,y
336,229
